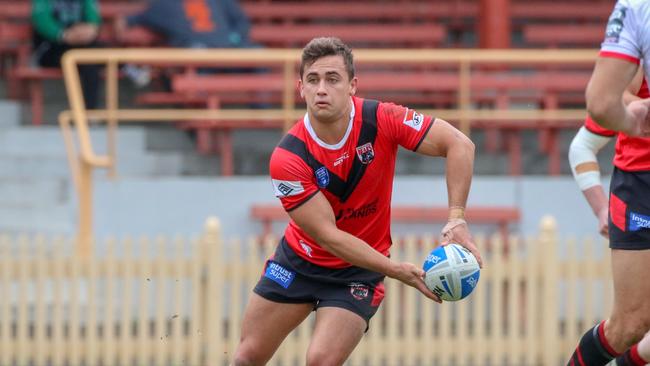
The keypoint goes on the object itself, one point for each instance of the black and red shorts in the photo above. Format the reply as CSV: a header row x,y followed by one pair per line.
x,y
288,278
629,210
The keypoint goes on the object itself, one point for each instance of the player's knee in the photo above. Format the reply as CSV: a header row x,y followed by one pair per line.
x,y
247,356
626,331
323,357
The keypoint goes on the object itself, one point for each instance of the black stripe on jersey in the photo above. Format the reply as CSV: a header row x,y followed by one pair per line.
x,y
367,135
424,135
295,145
337,186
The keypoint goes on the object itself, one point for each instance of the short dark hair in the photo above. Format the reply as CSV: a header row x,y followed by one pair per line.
x,y
327,46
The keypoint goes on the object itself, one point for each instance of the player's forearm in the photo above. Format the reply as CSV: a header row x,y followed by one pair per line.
x,y
460,165
356,252
596,198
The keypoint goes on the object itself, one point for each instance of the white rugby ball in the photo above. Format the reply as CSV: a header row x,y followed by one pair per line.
x,y
452,272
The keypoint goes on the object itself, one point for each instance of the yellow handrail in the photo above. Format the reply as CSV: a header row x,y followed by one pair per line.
x,y
83,165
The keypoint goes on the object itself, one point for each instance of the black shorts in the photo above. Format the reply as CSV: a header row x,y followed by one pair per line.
x,y
287,278
629,210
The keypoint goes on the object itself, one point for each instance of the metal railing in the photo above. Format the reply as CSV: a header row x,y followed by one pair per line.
x,y
86,160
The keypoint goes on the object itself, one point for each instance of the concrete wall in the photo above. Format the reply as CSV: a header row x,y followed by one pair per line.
x,y
180,205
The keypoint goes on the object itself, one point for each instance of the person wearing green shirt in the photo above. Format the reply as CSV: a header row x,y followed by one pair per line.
x,y
60,25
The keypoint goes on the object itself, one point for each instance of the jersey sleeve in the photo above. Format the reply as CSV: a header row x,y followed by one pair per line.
x,y
403,126
595,128
622,34
293,181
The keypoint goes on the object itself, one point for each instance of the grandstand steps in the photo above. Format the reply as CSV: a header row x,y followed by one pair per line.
x,y
50,219
29,192
9,114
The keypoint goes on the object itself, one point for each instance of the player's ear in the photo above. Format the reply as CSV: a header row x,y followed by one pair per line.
x,y
353,85
300,88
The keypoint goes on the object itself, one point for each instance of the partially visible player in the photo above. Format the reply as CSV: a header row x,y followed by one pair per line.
x,y
627,42
586,144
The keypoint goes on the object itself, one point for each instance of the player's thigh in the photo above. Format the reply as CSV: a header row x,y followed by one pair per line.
x,y
336,333
631,275
267,323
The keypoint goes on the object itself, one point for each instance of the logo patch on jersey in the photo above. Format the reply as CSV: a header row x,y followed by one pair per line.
x,y
341,158
358,290
322,177
413,119
615,25
638,221
365,153
279,274
286,188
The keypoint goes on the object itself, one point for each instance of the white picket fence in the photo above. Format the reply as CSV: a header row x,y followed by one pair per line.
x,y
180,302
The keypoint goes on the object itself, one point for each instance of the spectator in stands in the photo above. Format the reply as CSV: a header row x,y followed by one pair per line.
x,y
625,47
194,23
189,24
333,173
60,25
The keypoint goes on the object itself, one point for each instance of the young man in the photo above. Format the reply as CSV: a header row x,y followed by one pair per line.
x,y
333,173
626,43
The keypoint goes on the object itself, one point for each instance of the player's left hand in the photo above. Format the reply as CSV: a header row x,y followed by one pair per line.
x,y
457,231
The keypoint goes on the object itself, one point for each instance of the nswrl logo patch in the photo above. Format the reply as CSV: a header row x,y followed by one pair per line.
x,y
322,177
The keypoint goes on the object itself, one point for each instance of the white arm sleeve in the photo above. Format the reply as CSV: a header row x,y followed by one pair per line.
x,y
583,149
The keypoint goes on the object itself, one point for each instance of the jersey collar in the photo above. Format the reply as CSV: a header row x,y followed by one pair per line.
x,y
322,143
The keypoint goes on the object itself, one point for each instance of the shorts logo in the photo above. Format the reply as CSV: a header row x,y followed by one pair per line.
x,y
322,177
615,25
358,290
279,274
305,247
638,222
365,153
413,119
286,188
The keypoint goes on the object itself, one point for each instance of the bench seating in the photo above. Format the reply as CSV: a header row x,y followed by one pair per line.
x,y
564,35
501,217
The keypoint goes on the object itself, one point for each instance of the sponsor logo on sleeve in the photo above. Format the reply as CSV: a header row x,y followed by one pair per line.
x,y
322,177
615,24
365,153
413,119
286,188
638,221
279,274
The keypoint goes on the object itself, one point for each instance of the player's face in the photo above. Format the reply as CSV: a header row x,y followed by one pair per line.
x,y
326,88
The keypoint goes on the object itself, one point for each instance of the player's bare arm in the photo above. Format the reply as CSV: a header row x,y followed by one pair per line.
x,y
445,140
604,95
317,219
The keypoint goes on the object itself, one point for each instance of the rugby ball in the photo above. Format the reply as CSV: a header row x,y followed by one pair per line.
x,y
451,272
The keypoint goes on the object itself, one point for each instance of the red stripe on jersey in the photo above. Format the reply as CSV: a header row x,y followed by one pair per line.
x,y
378,295
620,56
604,341
579,352
597,129
636,357
617,210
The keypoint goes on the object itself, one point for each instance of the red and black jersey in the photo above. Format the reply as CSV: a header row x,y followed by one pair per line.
x,y
632,153
355,175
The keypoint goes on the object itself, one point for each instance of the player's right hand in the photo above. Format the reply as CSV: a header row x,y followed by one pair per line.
x,y
413,276
639,111
603,222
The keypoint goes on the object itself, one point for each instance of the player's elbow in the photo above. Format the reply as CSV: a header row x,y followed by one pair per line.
x,y
600,108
